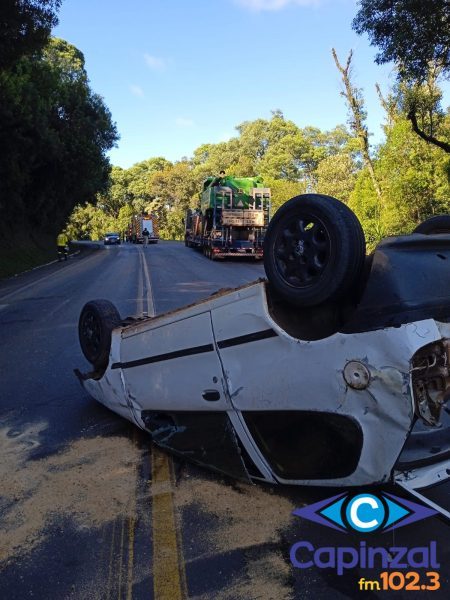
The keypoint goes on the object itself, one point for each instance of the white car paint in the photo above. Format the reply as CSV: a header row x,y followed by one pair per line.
x,y
149,369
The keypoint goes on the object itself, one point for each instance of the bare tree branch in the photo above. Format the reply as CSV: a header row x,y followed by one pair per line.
x,y
428,138
356,105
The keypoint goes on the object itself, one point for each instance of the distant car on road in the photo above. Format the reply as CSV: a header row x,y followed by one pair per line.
x,y
111,238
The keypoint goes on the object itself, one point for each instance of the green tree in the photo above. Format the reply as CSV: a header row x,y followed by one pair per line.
x,y
336,176
256,137
117,194
415,179
210,159
283,190
172,227
414,35
174,185
410,33
139,175
90,222
173,190
288,158
357,117
54,134
25,27
364,202
123,219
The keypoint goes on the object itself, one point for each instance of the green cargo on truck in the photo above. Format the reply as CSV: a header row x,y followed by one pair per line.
x,y
232,218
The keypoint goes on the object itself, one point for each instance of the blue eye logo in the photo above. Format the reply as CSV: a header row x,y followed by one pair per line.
x,y
365,513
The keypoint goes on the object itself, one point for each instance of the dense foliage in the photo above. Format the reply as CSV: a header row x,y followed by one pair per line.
x,y
410,33
287,156
415,35
55,133
54,130
25,27
411,174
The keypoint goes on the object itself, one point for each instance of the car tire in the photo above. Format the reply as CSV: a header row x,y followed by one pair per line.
x,y
437,224
314,250
97,320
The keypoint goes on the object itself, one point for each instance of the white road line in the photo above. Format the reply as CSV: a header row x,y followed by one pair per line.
x,y
29,285
63,270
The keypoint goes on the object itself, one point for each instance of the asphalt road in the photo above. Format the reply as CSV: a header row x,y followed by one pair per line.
x,y
88,509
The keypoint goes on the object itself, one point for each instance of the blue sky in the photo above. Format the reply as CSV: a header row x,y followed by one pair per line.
x,y
179,73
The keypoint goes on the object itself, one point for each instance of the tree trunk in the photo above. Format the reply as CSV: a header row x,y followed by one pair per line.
x,y
356,105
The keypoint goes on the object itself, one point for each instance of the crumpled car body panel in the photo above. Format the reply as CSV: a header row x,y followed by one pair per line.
x,y
247,388
230,347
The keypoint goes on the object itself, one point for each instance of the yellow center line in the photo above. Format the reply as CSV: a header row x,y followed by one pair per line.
x,y
111,558
168,564
119,586
131,530
167,572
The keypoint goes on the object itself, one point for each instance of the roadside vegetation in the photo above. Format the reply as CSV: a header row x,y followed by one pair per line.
x,y
392,187
55,132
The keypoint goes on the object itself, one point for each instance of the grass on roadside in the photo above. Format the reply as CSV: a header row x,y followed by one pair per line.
x,y
16,260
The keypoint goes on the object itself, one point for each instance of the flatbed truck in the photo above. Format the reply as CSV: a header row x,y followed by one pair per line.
x,y
232,218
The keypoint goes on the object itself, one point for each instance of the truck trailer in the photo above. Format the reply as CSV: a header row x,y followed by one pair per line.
x,y
232,218
137,226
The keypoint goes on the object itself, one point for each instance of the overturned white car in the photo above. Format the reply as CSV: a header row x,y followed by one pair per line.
x,y
334,372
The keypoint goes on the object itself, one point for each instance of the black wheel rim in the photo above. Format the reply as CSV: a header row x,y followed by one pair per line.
x,y
302,249
91,334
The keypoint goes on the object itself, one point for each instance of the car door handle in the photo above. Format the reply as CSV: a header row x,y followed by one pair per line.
x,y
211,395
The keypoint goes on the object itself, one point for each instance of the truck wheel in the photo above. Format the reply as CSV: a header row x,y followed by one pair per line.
x,y
314,250
437,224
97,320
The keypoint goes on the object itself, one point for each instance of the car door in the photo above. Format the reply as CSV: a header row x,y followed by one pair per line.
x,y
304,421
176,390
173,365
